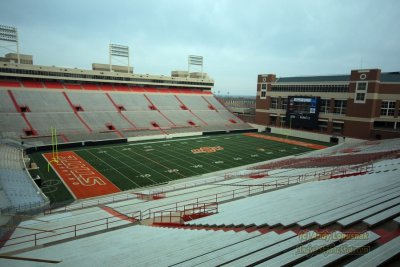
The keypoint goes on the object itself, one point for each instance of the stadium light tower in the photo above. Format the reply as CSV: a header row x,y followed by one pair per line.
x,y
119,51
195,61
9,35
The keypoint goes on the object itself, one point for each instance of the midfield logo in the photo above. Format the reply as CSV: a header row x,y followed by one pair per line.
x,y
207,149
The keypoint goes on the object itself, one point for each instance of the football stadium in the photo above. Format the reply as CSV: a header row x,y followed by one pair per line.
x,y
107,167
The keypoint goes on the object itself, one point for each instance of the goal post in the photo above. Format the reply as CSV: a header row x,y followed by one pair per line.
x,y
54,147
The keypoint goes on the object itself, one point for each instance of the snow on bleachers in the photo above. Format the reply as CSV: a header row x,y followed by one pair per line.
x,y
42,101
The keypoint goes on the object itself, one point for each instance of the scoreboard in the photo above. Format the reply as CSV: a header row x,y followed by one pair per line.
x,y
302,112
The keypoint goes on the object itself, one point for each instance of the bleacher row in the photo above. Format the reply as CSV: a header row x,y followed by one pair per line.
x,y
30,111
296,205
17,190
341,218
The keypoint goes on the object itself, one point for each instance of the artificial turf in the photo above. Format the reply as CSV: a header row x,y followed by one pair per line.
x,y
140,164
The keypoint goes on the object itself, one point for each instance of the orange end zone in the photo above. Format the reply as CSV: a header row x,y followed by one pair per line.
x,y
287,141
80,177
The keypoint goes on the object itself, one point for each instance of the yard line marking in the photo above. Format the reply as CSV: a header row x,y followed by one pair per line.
x,y
132,151
130,167
111,167
173,163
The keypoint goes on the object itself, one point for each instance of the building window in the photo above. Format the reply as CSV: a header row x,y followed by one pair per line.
x,y
324,105
323,126
274,102
338,88
340,107
337,127
387,108
263,91
284,103
361,92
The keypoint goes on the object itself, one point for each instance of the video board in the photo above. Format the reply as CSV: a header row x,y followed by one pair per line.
x,y
302,112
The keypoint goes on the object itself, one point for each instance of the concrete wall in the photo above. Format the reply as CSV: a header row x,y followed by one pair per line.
x,y
307,135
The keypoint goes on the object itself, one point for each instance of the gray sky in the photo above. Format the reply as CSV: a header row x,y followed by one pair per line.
x,y
238,39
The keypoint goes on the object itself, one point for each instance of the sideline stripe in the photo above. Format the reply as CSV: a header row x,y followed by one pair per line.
x,y
80,177
287,141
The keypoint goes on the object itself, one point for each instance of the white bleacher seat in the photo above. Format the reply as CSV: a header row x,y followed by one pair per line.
x,y
63,121
42,101
6,105
274,250
97,121
369,212
143,119
130,101
12,123
181,117
296,204
378,256
194,102
164,101
331,255
382,216
91,101
303,251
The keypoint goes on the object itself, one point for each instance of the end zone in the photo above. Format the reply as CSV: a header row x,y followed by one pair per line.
x,y
81,179
287,141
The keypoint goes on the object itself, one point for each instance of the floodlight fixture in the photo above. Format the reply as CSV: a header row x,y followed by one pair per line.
x,y
118,51
195,61
9,34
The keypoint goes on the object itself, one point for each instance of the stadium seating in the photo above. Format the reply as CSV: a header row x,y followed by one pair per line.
x,y
6,105
41,101
87,110
17,189
256,224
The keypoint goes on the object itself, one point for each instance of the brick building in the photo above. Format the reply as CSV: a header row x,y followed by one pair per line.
x,y
363,104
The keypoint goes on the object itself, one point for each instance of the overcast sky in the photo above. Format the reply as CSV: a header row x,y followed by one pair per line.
x,y
238,39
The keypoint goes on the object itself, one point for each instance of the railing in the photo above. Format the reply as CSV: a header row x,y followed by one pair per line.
x,y
189,212
66,231
245,190
67,206
172,211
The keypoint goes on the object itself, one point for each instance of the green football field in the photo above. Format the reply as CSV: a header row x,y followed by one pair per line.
x,y
140,164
